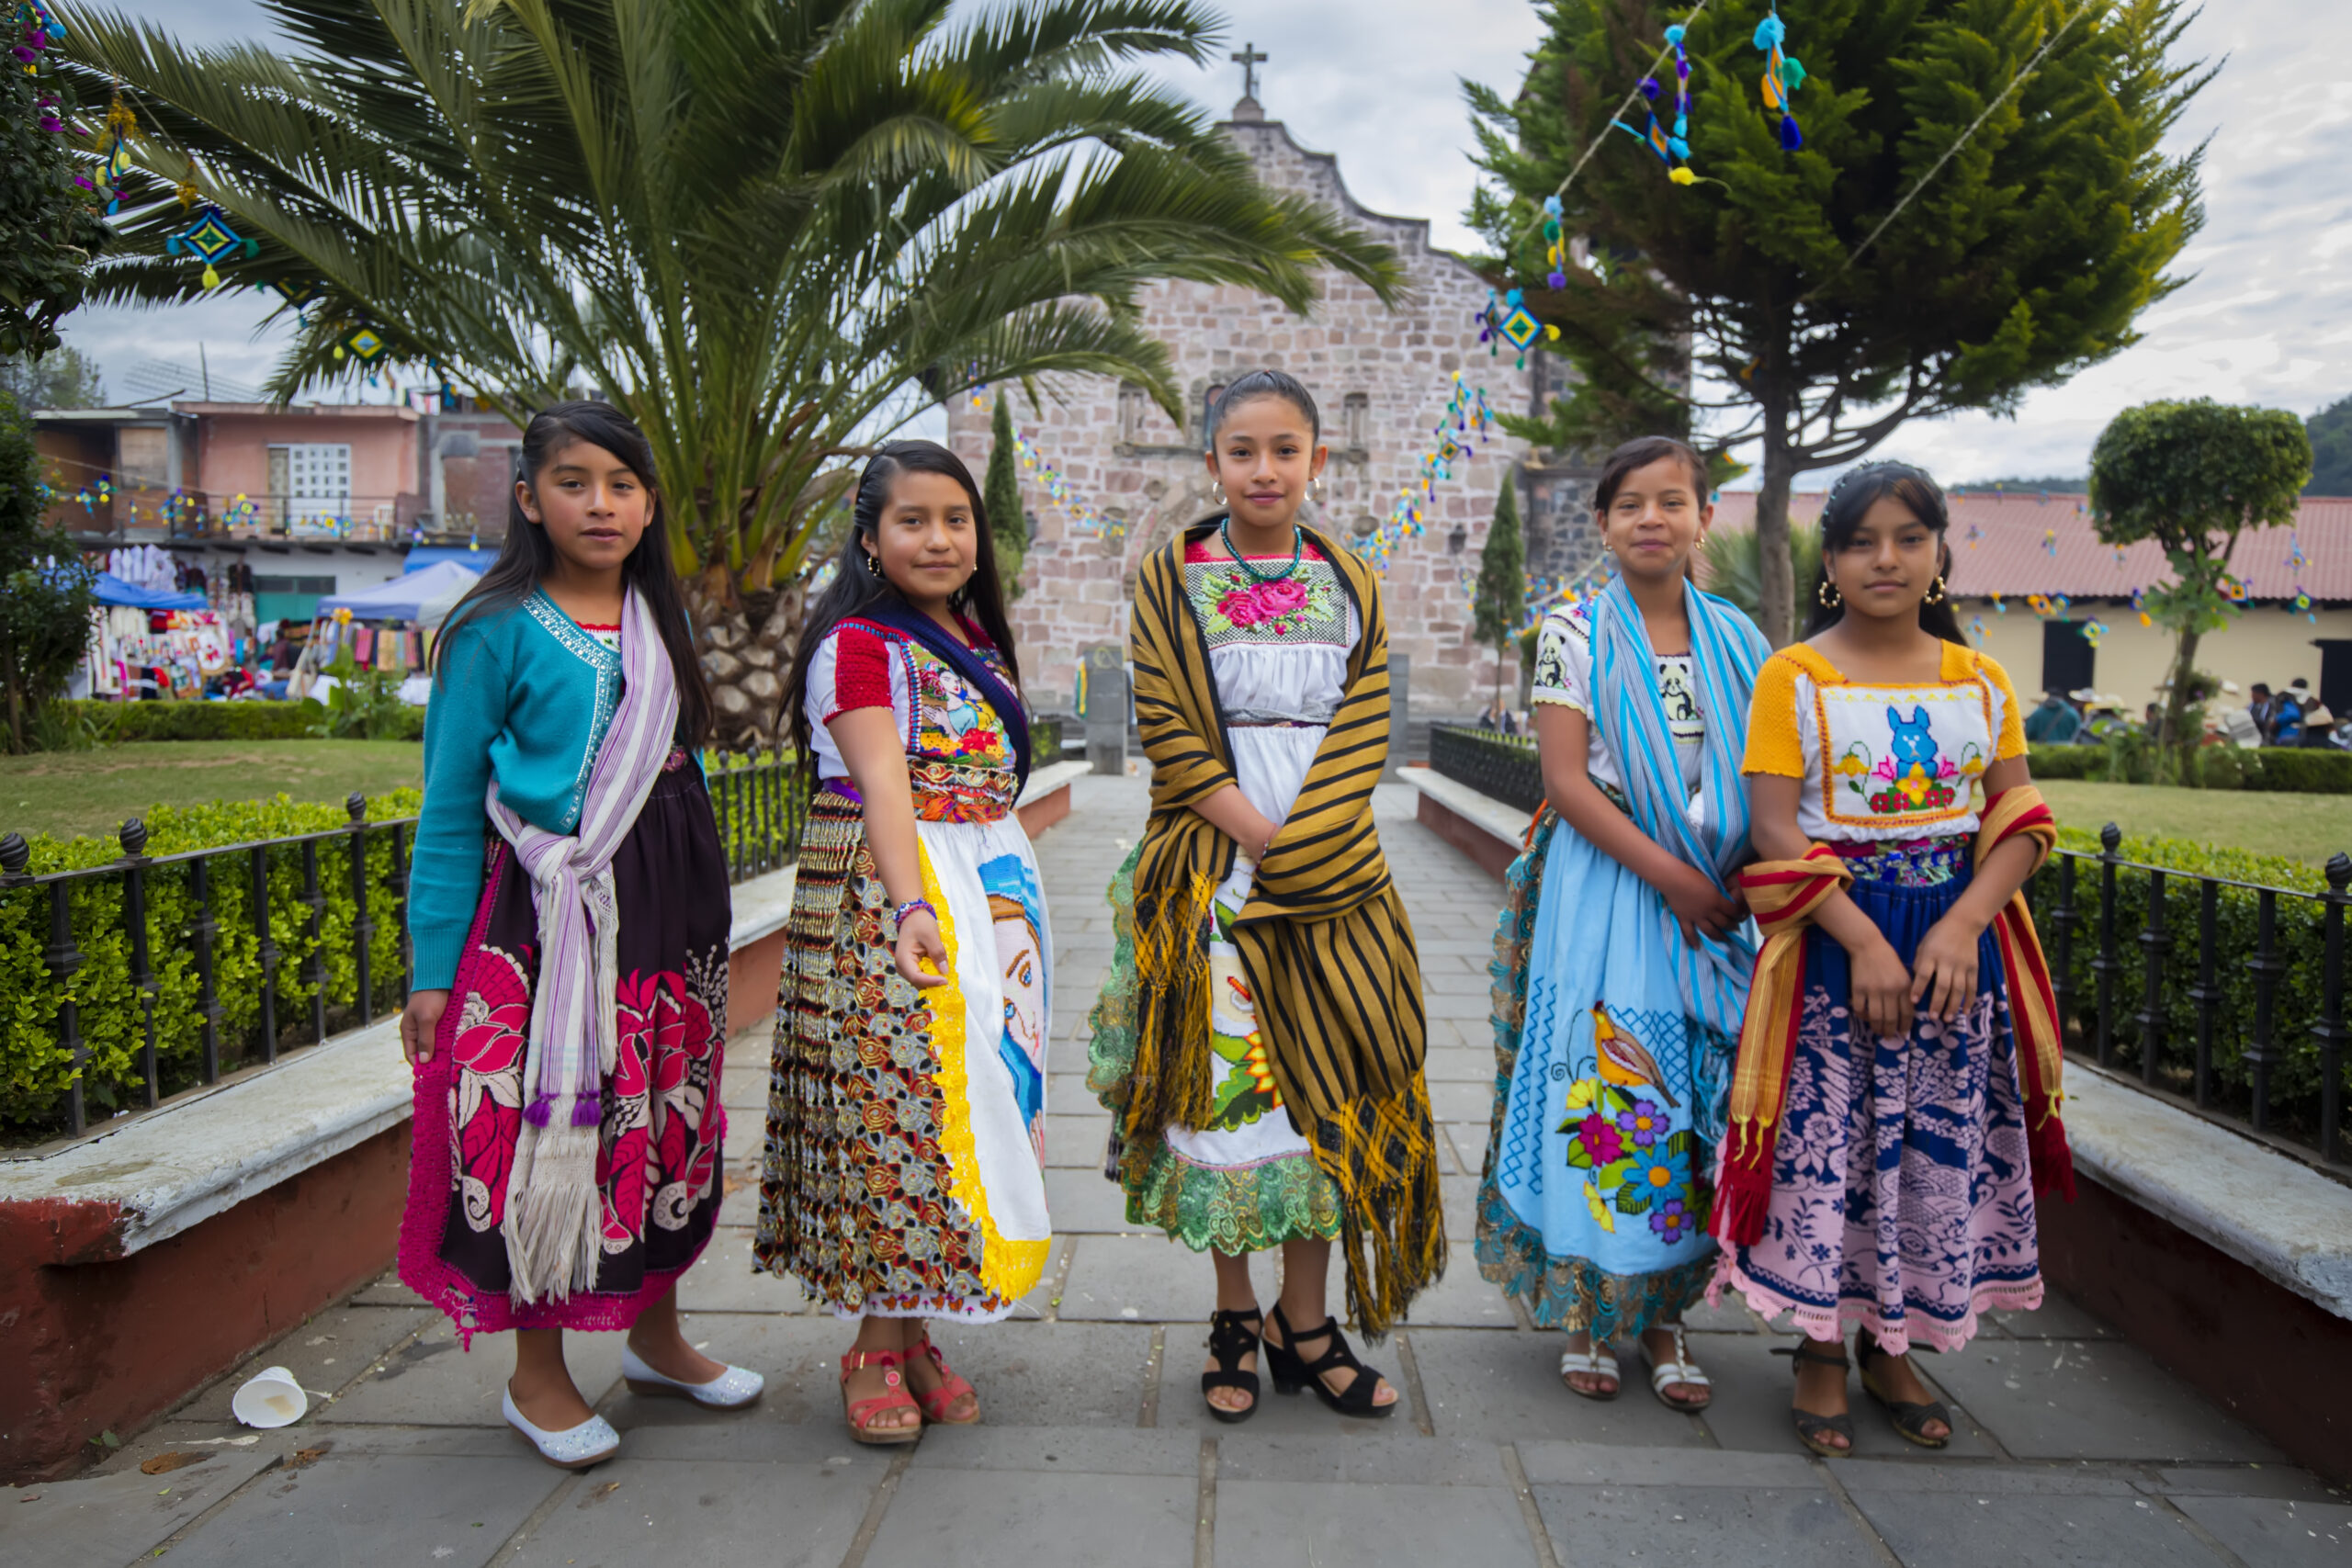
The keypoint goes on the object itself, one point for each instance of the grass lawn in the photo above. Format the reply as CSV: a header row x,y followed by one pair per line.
x,y
92,792
2299,826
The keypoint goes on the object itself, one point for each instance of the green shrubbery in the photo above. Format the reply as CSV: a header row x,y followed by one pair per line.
x,y
2299,939
112,723
35,1067
2125,757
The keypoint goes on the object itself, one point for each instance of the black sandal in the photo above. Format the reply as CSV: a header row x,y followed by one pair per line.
x,y
1292,1372
1232,1334
1811,1426
1909,1416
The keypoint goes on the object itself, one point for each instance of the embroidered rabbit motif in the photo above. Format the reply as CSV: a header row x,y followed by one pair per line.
x,y
1916,760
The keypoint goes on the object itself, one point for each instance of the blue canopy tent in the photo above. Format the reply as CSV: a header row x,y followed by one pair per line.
x,y
424,556
113,591
424,595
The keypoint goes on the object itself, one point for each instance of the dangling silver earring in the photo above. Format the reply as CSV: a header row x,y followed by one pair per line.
x,y
873,566
1217,491
1314,488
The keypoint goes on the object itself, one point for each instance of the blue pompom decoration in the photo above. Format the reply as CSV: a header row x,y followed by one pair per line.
x,y
1674,35
1682,125
1556,280
1552,205
1650,89
1771,31
1680,148
1511,299
1790,137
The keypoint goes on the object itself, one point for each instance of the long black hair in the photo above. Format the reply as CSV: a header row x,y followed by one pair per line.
x,y
1854,494
527,556
1266,384
855,587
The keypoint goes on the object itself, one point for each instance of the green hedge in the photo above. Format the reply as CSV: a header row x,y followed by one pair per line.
x,y
2299,939
118,722
35,1069
2277,770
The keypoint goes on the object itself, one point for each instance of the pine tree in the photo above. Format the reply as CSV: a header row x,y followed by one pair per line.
x,y
1785,274
1502,581
1000,494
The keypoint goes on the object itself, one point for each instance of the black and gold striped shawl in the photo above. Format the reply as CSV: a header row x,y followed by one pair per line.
x,y
1324,940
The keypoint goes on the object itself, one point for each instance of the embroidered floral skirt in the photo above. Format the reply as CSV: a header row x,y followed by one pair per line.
x,y
1902,1199
659,1166
1246,1181
903,1174
1593,1204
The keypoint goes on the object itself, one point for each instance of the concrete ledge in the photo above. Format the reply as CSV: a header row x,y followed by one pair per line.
x,y
1479,825
762,907
1045,800
2274,1214
192,1159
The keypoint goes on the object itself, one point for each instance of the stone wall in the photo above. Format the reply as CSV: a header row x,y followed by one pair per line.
x,y
1381,380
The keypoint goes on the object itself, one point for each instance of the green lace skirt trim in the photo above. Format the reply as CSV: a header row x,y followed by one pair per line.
x,y
1236,1210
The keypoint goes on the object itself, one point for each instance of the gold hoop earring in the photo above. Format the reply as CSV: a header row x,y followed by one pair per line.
x,y
873,566
1829,596
1217,491
1937,593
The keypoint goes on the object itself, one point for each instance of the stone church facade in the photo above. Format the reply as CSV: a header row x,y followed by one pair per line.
x,y
1381,380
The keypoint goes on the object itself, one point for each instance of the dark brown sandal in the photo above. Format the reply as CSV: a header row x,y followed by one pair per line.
x,y
1232,1334
1908,1416
1811,1426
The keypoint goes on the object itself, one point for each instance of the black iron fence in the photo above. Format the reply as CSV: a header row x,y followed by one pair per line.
x,y
2224,996
128,982
1501,767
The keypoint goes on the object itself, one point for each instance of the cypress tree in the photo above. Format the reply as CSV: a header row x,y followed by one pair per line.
x,y
1000,493
1502,581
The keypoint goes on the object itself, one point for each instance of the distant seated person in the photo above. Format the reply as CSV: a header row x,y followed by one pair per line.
x,y
2286,719
1498,718
2054,723
2319,725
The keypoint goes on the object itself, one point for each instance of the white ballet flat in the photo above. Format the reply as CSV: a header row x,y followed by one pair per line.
x,y
730,1390
1598,1362
1679,1367
592,1442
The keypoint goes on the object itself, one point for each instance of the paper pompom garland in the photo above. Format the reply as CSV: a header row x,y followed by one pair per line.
x,y
1556,251
1782,76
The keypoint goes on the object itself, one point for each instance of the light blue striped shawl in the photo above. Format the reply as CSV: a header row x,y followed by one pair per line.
x,y
1725,653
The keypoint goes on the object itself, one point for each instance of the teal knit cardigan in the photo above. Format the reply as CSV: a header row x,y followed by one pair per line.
x,y
523,695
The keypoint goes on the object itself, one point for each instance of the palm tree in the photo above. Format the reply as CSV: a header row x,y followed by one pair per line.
x,y
1730,566
767,229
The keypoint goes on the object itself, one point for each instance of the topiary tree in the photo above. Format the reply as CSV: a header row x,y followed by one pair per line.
x,y
1501,602
1000,493
50,228
1797,278
45,591
2192,477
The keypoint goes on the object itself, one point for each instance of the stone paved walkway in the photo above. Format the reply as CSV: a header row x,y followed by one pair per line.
x,y
2071,1447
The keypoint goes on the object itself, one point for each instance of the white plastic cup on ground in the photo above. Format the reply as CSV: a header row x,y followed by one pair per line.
x,y
270,1398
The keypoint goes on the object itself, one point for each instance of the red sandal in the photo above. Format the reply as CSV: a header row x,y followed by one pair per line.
x,y
862,1414
936,1403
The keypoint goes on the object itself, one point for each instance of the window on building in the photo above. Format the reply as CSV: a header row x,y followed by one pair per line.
x,y
2067,657
1355,420
1134,404
282,598
310,482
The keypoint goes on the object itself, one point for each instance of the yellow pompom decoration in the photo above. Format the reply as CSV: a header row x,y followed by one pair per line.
x,y
1682,176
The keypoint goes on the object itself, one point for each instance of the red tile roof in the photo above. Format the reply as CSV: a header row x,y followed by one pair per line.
x,y
2016,543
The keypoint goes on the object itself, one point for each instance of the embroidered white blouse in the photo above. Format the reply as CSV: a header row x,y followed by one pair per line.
x,y
1563,678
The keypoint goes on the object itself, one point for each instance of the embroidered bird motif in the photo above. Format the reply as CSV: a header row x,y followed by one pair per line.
x,y
1623,1061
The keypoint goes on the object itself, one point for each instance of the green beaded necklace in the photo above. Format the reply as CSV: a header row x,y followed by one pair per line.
x,y
1297,545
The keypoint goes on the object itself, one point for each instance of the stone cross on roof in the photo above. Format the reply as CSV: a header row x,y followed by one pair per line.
x,y
1248,59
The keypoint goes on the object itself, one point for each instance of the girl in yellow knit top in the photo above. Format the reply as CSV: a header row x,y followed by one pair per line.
x,y
1894,1107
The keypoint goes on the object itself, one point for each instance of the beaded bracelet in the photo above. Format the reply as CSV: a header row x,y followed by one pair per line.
x,y
898,916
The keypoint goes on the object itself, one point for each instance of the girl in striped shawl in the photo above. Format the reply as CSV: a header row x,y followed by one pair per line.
x,y
1261,1037
1622,963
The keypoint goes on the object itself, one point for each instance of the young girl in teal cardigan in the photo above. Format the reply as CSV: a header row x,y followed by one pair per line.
x,y
569,912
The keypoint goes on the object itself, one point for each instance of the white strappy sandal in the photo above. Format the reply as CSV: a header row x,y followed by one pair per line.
x,y
1597,1361
1681,1369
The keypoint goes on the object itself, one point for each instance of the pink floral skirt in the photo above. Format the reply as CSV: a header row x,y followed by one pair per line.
x,y
660,1162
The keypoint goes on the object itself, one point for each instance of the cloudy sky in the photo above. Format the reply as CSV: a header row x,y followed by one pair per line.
x,y
2267,316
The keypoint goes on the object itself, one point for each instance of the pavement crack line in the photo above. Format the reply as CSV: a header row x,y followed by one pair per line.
x,y
1854,1515
1061,1282
546,1510
872,1525
208,1515
2206,1537
1150,1416
1411,1367
1529,1514
1205,1514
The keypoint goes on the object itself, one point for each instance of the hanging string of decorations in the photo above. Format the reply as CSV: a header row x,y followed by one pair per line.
x,y
1508,321
1782,76
1084,520
1673,148
1465,424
